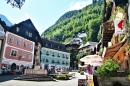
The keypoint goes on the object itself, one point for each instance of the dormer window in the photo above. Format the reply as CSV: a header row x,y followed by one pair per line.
x,y
30,35
46,45
18,41
26,33
36,37
25,44
17,29
11,39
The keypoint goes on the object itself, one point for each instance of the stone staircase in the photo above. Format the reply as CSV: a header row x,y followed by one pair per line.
x,y
36,77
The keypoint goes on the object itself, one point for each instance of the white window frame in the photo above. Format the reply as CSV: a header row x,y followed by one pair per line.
x,y
25,44
11,39
17,29
23,54
30,34
18,41
29,56
14,53
31,46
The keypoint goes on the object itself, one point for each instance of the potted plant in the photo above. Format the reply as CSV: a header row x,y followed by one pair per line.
x,y
109,73
108,68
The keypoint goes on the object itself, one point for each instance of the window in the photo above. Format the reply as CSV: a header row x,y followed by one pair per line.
x,y
66,57
26,33
11,39
47,53
30,56
31,47
23,54
25,44
18,41
63,56
58,55
36,37
13,52
53,61
17,29
30,34
53,54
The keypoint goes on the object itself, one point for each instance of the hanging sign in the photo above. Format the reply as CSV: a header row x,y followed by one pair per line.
x,y
120,26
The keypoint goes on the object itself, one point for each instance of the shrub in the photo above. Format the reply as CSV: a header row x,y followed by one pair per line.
x,y
63,76
108,68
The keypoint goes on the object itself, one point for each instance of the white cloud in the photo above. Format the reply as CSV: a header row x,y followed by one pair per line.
x,y
79,5
26,16
20,19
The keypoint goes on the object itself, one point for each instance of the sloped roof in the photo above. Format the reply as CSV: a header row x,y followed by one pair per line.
x,y
112,50
28,23
53,45
89,44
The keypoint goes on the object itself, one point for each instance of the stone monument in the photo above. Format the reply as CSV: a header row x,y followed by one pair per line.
x,y
37,67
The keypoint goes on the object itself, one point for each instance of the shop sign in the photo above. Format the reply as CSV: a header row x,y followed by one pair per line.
x,y
120,26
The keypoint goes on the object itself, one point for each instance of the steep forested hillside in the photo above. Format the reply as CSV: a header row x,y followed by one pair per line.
x,y
71,23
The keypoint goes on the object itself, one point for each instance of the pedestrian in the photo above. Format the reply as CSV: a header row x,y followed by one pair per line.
x,y
23,70
89,68
95,77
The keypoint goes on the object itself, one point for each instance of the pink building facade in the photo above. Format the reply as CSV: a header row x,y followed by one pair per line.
x,y
18,52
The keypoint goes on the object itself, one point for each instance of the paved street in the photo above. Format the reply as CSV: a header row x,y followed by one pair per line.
x,y
4,78
72,82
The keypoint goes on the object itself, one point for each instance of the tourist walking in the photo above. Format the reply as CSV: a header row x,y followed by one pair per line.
x,y
95,77
89,68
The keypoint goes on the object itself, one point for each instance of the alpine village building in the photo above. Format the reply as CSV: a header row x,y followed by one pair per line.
x,y
54,56
115,32
24,47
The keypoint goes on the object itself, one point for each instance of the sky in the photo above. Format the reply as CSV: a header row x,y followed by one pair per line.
x,y
43,13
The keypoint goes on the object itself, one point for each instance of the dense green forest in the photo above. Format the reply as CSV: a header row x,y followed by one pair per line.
x,y
71,23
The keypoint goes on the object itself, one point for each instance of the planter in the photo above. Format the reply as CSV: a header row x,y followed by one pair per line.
x,y
118,81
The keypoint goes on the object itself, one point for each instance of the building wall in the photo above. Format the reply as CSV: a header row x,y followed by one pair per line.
x,y
14,53
48,54
86,49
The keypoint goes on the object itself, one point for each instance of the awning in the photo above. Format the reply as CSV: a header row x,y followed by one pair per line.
x,y
94,60
112,50
3,64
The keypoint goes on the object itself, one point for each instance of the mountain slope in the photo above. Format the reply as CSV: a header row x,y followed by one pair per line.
x,y
7,22
71,23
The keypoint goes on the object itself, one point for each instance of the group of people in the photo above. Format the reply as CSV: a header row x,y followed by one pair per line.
x,y
91,70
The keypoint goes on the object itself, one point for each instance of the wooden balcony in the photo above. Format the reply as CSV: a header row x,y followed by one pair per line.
x,y
107,32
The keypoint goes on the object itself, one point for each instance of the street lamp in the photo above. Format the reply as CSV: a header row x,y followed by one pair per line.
x,y
16,3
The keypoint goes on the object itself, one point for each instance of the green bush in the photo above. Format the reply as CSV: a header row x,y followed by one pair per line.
x,y
63,76
108,68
